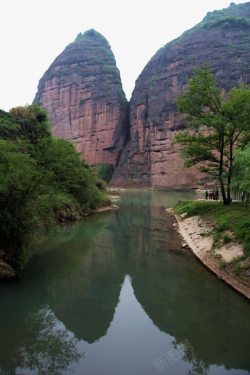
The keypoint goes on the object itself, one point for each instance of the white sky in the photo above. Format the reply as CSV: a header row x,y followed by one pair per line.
x,y
34,32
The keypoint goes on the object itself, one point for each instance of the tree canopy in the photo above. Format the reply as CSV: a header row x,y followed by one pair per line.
x,y
42,179
241,174
217,123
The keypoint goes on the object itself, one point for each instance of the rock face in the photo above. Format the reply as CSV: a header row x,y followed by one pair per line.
x,y
222,40
6,271
83,95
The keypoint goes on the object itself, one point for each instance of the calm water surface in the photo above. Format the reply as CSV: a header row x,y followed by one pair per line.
x,y
115,294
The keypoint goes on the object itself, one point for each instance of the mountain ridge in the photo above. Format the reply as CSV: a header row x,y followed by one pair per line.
x,y
150,158
83,94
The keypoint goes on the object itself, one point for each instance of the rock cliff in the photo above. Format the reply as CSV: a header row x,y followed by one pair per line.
x,y
222,40
83,95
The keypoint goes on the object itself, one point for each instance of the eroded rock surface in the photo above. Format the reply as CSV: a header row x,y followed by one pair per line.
x,y
83,95
150,158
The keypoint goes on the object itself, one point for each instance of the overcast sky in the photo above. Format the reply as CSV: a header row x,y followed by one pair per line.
x,y
33,33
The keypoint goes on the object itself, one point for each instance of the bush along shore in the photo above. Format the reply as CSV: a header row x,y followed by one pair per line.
x,y
42,182
219,236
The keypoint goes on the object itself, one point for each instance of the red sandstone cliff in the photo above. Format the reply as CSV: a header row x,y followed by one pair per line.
x,y
150,159
83,95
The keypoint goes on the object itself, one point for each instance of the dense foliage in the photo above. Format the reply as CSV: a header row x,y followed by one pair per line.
x,y
233,17
215,127
103,171
241,175
42,179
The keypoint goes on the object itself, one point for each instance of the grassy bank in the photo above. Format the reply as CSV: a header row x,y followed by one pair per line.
x,y
230,223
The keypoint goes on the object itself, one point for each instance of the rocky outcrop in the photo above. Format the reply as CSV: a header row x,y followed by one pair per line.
x,y
83,95
222,40
7,272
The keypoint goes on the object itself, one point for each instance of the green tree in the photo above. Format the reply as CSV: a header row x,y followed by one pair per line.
x,y
42,180
21,183
216,124
71,175
241,174
33,122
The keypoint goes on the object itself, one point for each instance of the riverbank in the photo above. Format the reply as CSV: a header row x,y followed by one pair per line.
x,y
7,272
105,209
214,238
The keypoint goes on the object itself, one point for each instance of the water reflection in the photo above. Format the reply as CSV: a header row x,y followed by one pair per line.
x,y
46,347
167,306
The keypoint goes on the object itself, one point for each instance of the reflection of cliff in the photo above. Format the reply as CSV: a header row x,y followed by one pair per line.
x,y
84,290
86,300
180,298
80,286
147,230
79,278
216,328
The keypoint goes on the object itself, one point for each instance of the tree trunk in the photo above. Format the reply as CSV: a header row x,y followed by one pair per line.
x,y
222,187
229,177
223,192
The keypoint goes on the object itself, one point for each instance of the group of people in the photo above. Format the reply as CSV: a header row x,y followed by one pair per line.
x,y
212,194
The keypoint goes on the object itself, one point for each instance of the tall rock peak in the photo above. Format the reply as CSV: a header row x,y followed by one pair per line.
x,y
221,39
91,35
83,95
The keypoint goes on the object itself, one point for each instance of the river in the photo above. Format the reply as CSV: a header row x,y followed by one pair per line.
x,y
116,294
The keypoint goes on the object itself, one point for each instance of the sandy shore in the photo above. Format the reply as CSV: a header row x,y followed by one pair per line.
x,y
194,231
